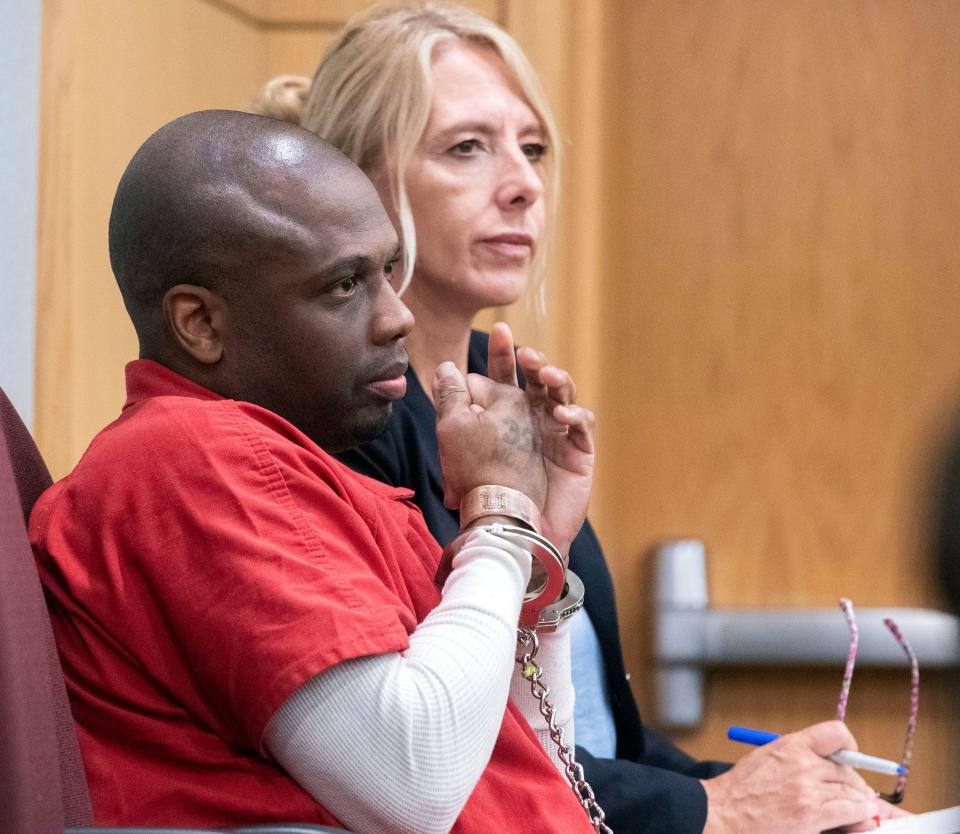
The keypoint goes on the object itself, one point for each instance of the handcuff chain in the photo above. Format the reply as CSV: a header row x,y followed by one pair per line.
x,y
528,645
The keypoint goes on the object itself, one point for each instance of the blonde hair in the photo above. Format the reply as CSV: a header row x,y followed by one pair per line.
x,y
370,97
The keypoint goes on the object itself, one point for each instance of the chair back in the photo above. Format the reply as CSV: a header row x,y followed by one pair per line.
x,y
42,784
29,470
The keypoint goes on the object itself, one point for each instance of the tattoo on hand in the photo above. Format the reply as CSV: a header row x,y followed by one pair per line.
x,y
527,439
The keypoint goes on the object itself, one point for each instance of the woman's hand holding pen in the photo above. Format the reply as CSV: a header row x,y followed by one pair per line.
x,y
789,787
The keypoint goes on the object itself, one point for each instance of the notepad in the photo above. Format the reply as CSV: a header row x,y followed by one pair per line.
x,y
946,821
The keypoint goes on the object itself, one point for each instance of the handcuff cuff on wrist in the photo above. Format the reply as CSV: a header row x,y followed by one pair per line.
x,y
554,593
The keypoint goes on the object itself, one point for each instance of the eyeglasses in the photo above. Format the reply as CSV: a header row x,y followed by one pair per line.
x,y
847,607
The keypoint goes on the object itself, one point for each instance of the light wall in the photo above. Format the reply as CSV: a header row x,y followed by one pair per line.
x,y
19,102
756,285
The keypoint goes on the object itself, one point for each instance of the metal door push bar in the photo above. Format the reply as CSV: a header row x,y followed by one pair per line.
x,y
689,636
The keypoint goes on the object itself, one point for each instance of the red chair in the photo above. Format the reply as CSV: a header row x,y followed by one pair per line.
x,y
43,789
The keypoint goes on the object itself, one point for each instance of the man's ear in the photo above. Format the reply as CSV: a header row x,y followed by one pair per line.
x,y
196,318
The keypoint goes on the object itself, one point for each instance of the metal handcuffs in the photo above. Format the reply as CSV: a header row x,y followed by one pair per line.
x,y
553,594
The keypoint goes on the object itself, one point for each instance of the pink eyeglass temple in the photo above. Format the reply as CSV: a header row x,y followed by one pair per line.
x,y
847,607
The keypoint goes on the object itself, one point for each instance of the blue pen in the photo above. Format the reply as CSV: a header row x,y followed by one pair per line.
x,y
844,757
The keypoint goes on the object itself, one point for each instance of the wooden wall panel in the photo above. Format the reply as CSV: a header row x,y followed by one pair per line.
x,y
295,52
299,31
292,14
328,14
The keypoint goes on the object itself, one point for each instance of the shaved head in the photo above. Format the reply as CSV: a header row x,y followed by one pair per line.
x,y
207,200
257,260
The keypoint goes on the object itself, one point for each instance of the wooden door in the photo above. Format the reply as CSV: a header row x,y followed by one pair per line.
x,y
780,289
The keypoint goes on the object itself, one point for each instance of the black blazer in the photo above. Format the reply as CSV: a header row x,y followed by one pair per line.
x,y
651,787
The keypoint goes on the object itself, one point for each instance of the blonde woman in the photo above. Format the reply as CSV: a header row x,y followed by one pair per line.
x,y
447,117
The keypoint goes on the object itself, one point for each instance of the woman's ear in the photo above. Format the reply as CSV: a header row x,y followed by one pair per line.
x,y
196,318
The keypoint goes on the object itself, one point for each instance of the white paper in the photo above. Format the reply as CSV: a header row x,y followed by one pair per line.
x,y
946,821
